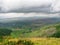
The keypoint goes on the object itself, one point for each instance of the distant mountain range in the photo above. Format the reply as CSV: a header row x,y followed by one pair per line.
x,y
27,21
30,27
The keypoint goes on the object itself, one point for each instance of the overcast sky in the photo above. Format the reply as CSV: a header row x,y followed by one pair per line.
x,y
29,8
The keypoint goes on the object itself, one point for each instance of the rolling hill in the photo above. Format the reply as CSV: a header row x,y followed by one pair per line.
x,y
31,27
46,31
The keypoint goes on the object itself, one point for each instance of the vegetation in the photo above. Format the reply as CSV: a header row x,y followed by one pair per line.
x,y
31,35
32,41
45,31
19,42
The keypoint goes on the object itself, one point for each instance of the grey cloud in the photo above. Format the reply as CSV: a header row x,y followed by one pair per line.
x,y
25,6
28,6
32,9
41,9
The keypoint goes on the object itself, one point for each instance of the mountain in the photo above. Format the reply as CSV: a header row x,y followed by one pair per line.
x,y
28,22
30,27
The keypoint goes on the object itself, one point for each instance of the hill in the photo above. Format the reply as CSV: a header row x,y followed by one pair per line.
x,y
45,31
36,27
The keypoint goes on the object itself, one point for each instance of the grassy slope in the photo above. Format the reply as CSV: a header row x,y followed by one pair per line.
x,y
46,31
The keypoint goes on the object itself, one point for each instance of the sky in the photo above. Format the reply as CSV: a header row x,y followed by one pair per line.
x,y
29,8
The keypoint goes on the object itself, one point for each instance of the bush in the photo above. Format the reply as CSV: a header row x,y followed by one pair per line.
x,y
24,42
5,32
10,43
20,42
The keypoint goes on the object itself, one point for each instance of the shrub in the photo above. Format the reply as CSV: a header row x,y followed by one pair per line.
x,y
24,42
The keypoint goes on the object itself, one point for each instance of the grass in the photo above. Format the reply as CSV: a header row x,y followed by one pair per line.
x,y
42,36
46,41
40,41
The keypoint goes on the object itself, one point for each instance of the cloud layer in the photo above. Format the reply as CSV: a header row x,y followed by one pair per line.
x,y
41,15
25,6
28,6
